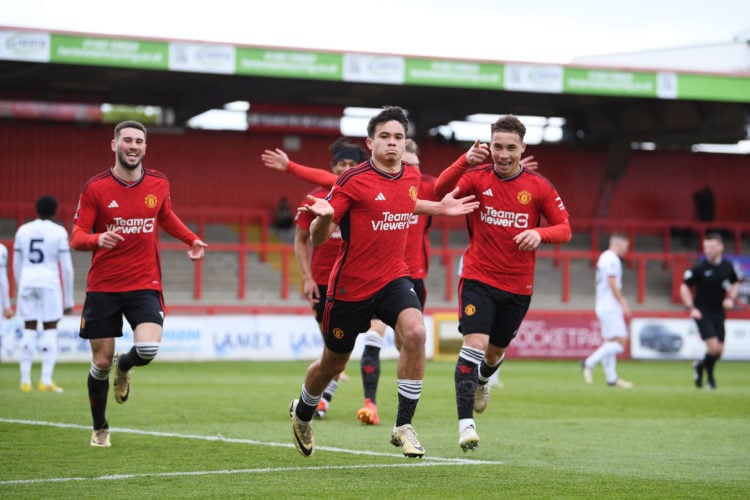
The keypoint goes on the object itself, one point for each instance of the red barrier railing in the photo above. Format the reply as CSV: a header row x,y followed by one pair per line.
x,y
560,258
563,259
244,219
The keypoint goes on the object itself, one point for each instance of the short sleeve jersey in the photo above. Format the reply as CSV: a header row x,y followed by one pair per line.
x,y
39,244
418,241
373,210
323,255
607,265
711,282
507,206
107,203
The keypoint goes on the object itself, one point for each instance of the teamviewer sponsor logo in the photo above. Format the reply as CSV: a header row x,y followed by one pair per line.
x,y
504,218
392,222
132,226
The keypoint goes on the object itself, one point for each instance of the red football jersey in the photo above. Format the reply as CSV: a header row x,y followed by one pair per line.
x,y
107,203
373,210
323,255
506,208
418,241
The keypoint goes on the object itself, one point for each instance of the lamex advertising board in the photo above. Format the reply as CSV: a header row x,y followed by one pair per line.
x,y
204,338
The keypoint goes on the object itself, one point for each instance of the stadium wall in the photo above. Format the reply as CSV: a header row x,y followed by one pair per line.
x,y
223,169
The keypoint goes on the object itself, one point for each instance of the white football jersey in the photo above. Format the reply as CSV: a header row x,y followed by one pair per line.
x,y
609,264
39,247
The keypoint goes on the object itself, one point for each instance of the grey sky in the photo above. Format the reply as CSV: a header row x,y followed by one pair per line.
x,y
532,30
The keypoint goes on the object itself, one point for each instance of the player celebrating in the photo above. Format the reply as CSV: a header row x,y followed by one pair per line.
x,y
372,205
118,215
497,277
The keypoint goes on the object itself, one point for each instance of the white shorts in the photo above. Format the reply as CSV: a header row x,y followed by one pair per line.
x,y
612,323
39,304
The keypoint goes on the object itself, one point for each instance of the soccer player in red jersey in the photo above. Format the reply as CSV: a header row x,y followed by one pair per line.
x,y
316,268
497,278
372,205
345,156
118,215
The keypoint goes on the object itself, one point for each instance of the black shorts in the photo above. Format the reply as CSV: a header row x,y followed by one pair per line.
x,y
343,321
320,306
420,290
491,311
711,325
103,311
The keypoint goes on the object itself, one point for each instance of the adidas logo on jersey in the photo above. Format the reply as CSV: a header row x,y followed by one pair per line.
x,y
488,192
380,197
113,204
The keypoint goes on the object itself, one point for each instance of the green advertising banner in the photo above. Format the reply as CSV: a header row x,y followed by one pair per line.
x,y
453,74
121,52
609,82
109,52
289,64
714,88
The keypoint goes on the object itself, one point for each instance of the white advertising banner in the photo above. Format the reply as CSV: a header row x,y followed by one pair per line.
x,y
209,338
663,338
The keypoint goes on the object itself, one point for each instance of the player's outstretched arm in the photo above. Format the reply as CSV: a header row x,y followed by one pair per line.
x,y
323,224
449,205
276,159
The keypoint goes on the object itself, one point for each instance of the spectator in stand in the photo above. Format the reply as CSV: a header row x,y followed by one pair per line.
x,y
372,204
41,257
708,289
497,278
118,217
283,218
611,310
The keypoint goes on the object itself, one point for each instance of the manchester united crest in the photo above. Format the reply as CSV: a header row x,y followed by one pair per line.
x,y
470,310
524,197
413,193
338,333
151,201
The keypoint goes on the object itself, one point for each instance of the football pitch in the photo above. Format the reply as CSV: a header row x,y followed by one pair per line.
x,y
221,429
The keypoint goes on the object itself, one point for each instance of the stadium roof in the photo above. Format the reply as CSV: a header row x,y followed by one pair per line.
x,y
600,105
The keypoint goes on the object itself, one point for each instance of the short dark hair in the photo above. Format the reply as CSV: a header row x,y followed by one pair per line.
x,y
511,124
129,124
46,206
714,236
389,113
343,149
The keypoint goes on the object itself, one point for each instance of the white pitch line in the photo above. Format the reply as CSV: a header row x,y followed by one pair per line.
x,y
425,462
117,477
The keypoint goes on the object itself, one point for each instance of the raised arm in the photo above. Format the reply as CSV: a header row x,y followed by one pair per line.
x,y
279,160
476,155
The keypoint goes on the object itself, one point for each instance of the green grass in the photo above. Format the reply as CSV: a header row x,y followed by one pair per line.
x,y
545,435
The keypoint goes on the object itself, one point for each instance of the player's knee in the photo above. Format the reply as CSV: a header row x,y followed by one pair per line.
x,y
48,341
147,351
98,372
414,337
